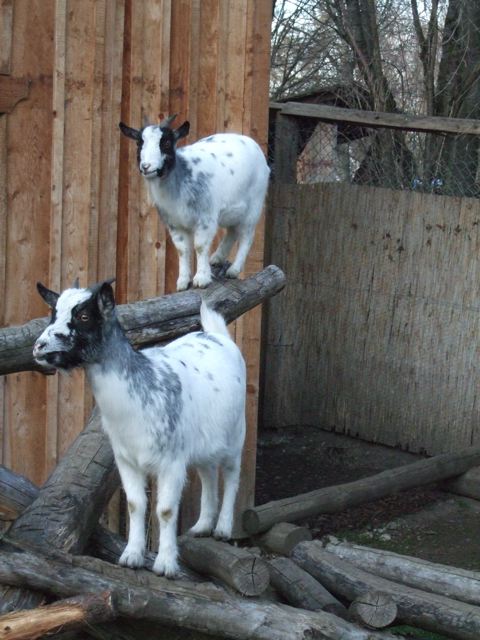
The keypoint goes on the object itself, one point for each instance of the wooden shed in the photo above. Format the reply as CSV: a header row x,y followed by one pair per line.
x,y
72,202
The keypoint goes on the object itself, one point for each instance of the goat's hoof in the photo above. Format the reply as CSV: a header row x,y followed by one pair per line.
x,y
182,284
200,532
132,559
168,568
202,280
233,272
222,534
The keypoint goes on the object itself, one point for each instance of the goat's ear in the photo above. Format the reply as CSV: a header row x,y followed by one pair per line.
x,y
129,132
105,298
182,130
49,296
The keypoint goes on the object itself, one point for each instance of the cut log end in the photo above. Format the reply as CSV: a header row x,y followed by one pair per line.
x,y
251,522
283,537
250,576
373,609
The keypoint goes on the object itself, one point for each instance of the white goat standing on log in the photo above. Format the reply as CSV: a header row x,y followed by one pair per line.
x,y
163,408
218,181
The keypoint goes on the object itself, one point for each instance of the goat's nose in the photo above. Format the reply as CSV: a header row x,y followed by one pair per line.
x,y
145,166
38,346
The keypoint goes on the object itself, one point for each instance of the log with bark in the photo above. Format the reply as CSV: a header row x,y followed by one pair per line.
x,y
417,608
373,609
300,589
339,497
235,566
452,582
155,320
16,493
282,537
468,484
199,607
69,505
63,615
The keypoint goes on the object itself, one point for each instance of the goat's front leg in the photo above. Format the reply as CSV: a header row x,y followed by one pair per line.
x,y
202,240
170,483
133,482
182,240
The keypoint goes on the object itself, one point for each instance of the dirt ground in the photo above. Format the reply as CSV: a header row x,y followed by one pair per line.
x,y
426,522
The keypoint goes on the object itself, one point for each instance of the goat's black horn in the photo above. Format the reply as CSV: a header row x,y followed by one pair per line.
x,y
76,283
166,122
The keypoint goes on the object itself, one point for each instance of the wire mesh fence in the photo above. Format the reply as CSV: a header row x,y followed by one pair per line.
x,y
441,163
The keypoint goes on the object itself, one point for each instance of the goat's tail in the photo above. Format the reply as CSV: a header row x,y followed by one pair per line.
x,y
212,321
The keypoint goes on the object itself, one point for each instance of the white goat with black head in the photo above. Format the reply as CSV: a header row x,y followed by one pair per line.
x,y
163,408
218,181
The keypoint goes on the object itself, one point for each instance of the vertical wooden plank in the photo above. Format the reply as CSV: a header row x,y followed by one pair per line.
x,y
248,328
29,136
3,254
80,92
208,62
56,202
146,63
180,78
6,27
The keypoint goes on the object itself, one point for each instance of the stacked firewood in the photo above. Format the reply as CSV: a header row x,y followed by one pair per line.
x,y
57,571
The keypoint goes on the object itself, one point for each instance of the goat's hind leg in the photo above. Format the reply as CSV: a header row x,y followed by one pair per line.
x,y
220,256
133,482
209,501
231,480
170,481
245,240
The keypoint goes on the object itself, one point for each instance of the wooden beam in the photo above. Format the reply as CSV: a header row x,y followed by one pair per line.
x,y
339,497
375,119
16,493
154,320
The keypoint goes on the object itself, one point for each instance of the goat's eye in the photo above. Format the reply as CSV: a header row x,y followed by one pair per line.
x,y
84,317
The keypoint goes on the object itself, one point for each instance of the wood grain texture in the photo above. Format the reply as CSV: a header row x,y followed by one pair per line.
x,y
200,607
375,334
91,64
417,608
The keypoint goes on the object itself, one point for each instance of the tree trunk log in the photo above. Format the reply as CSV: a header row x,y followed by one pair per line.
x,y
468,484
339,497
16,493
373,609
282,537
63,615
155,320
202,607
236,567
68,506
451,582
300,589
417,608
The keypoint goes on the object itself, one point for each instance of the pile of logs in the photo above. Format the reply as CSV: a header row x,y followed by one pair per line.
x,y
57,571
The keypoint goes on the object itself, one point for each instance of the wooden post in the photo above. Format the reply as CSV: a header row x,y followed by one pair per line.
x,y
287,139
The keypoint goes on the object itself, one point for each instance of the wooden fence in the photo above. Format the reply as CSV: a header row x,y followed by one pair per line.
x,y
71,200
377,332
